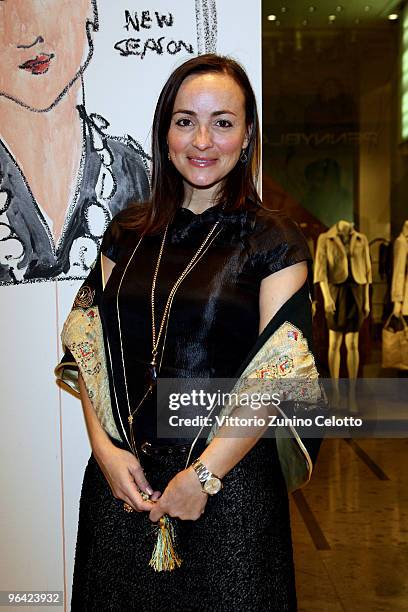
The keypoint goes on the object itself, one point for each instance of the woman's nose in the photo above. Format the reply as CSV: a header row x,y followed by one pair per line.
x,y
38,40
202,138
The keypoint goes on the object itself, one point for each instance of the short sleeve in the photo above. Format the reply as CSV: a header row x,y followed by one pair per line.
x,y
276,243
111,240
83,349
86,300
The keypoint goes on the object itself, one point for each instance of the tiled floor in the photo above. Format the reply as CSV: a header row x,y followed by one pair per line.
x,y
350,528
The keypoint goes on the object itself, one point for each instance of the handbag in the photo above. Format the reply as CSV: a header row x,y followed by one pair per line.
x,y
395,344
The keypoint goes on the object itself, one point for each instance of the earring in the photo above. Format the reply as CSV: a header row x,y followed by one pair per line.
x,y
243,157
168,155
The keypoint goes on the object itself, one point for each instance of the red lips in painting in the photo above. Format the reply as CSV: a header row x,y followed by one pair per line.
x,y
39,65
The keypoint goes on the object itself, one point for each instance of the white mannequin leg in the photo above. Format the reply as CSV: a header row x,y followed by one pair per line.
x,y
335,340
353,360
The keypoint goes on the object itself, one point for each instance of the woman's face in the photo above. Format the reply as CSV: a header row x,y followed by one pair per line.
x,y
208,129
43,44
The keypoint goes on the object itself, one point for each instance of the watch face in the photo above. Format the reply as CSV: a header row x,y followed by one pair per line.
x,y
212,485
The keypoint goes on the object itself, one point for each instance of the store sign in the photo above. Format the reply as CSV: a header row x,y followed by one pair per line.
x,y
316,139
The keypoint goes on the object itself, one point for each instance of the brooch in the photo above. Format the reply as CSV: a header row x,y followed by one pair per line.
x,y
84,297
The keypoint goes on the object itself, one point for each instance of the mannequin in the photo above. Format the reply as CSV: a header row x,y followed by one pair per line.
x,y
399,286
343,271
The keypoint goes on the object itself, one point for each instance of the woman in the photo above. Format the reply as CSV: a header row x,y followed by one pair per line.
x,y
62,176
194,285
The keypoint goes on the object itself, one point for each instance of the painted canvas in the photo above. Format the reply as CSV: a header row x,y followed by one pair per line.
x,y
63,174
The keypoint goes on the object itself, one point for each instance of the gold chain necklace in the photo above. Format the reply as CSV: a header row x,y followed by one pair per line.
x,y
166,312
164,557
164,322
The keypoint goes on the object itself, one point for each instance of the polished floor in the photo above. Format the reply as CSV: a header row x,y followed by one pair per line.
x,y
350,528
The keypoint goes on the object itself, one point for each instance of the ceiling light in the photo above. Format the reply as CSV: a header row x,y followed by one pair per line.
x,y
312,9
305,22
367,8
283,9
332,18
271,17
339,8
393,16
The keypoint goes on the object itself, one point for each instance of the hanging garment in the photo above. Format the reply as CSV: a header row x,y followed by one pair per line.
x,y
332,264
399,286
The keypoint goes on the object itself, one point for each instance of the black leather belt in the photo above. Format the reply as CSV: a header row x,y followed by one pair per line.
x,y
160,451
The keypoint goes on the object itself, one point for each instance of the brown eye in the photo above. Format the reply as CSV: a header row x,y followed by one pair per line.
x,y
184,122
224,123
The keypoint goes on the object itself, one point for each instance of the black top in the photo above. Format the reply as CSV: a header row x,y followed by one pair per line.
x,y
214,319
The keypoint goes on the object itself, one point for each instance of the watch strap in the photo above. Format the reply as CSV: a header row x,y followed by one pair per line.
x,y
202,471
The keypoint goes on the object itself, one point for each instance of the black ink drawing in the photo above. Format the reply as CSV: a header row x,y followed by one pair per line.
x,y
145,20
135,46
51,151
62,175
207,30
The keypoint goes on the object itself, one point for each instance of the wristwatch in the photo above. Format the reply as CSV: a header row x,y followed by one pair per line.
x,y
210,483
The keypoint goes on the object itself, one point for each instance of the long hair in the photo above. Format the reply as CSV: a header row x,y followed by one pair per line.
x,y
167,183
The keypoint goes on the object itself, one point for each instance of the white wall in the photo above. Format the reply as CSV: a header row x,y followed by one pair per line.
x,y
44,444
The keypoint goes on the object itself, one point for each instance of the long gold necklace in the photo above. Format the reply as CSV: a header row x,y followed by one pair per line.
x,y
156,337
166,312
164,557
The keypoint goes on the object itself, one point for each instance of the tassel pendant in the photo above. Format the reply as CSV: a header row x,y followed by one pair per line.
x,y
165,557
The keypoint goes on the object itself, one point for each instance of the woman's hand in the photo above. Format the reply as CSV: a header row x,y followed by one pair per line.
x,y
183,498
124,475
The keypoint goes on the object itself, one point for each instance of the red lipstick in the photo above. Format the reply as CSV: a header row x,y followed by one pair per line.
x,y
39,65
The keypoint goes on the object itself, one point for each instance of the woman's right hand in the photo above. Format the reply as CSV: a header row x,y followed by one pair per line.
x,y
120,467
124,475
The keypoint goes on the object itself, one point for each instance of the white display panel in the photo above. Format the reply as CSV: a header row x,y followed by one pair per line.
x,y
45,446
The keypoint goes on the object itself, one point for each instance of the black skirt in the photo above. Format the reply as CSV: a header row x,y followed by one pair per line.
x,y
236,556
349,314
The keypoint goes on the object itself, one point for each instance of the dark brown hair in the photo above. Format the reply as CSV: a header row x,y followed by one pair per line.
x,y
167,183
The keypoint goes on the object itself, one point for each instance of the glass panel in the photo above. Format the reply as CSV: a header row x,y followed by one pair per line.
x,y
335,118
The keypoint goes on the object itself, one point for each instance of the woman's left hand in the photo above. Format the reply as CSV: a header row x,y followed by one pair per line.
x,y
182,498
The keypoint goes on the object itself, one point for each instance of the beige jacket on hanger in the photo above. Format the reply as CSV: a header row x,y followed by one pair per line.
x,y
399,286
331,262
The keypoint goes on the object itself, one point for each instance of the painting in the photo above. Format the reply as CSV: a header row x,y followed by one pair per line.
x,y
63,175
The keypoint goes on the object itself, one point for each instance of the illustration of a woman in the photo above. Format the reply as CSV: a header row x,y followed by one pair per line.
x,y
62,177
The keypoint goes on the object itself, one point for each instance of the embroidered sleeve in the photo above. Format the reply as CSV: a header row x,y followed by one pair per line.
x,y
285,357
84,351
